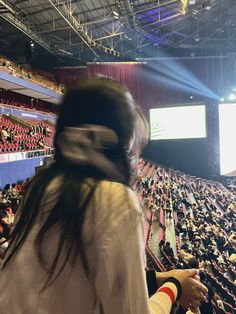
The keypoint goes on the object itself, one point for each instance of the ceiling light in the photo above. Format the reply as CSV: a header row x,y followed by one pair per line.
x,y
196,37
115,13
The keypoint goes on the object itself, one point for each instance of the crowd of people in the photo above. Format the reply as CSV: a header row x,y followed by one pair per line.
x,y
19,71
204,216
64,210
205,224
10,197
34,135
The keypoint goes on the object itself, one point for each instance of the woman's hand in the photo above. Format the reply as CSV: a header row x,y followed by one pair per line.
x,y
193,291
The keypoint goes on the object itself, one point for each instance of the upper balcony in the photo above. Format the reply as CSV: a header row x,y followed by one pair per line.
x,y
28,87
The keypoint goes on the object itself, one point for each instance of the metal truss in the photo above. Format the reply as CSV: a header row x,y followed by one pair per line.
x,y
211,19
158,5
77,30
146,30
102,34
93,36
159,25
9,14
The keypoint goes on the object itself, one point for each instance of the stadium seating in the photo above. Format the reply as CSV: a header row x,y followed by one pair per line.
x,y
42,79
203,209
20,138
14,100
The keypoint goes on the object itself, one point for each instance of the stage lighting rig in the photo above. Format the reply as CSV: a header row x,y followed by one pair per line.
x,y
116,15
184,6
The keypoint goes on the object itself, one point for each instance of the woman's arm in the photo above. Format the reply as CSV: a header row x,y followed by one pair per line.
x,y
120,281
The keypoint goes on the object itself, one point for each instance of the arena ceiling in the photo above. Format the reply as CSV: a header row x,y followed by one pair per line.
x,y
100,30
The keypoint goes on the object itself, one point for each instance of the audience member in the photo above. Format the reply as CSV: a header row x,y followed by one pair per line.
x,y
81,207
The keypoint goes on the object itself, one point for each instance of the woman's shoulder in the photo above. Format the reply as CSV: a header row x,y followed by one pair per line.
x,y
118,192
112,186
116,201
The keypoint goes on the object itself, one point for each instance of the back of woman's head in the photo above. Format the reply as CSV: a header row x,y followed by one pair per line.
x,y
98,101
103,102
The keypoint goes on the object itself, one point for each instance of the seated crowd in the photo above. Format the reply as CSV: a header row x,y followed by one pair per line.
x,y
14,100
17,70
203,214
204,217
10,197
24,135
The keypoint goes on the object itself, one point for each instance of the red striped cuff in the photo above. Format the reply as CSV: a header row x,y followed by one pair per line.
x,y
169,292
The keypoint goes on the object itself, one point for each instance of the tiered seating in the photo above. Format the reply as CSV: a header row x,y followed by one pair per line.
x,y
207,199
224,292
202,212
20,138
47,135
17,134
144,170
153,262
222,278
17,70
148,226
11,99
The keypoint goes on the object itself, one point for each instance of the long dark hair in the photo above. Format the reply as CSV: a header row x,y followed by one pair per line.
x,y
94,101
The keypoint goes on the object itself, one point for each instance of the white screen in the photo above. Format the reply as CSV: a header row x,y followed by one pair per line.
x,y
227,117
178,122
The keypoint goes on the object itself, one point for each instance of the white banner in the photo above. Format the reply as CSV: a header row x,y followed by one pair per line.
x,y
4,158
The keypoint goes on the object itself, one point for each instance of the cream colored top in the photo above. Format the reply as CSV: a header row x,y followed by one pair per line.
x,y
114,239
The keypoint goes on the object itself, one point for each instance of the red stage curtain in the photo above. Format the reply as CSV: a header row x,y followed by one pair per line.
x,y
127,74
152,84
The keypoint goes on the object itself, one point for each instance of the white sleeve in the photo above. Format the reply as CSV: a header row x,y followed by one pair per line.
x,y
120,280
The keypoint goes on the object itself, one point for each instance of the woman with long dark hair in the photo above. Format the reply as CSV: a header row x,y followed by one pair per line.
x,y
77,244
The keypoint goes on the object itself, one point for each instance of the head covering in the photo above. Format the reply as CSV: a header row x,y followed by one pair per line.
x,y
86,144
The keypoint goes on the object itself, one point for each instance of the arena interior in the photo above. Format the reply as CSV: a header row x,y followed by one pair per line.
x,y
178,59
